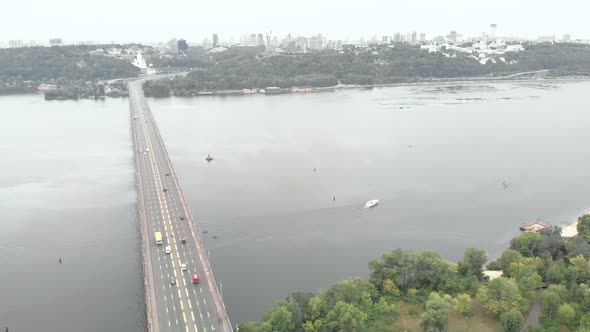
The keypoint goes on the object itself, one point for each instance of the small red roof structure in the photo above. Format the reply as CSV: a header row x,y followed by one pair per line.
x,y
535,226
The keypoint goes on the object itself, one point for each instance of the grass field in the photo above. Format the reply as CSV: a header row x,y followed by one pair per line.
x,y
409,320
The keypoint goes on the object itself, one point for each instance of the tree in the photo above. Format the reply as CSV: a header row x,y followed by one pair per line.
x,y
382,309
512,321
280,320
551,302
584,227
473,261
577,246
566,315
527,243
389,288
345,317
464,305
508,257
499,296
555,273
552,242
436,315
249,327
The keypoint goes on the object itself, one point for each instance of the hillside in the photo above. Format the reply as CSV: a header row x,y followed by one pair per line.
x,y
247,68
23,69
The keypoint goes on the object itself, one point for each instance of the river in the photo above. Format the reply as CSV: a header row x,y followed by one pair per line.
x,y
453,166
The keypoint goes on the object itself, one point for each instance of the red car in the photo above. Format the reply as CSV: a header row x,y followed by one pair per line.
x,y
183,241
195,278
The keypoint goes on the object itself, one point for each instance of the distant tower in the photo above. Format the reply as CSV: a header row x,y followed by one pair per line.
x,y
270,48
493,28
215,40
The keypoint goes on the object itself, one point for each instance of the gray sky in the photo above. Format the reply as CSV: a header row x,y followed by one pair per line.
x,y
158,20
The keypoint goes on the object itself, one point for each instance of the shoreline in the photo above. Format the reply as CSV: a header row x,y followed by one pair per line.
x,y
461,80
450,81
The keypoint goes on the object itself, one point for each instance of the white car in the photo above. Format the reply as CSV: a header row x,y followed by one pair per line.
x,y
168,250
183,267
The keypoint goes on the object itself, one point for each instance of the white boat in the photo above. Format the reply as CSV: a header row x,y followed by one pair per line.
x,y
371,203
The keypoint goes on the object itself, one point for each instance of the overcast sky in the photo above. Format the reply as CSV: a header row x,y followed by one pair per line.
x,y
194,20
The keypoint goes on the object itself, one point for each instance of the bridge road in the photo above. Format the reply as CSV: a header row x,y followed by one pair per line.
x,y
183,306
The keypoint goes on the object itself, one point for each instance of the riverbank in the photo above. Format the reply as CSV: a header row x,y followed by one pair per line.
x,y
460,80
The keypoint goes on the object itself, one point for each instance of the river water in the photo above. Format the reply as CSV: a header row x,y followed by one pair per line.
x,y
453,166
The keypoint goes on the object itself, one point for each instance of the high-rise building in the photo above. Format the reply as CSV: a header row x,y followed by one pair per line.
x,y
15,43
252,40
422,37
566,38
260,40
215,40
493,28
181,46
414,37
397,37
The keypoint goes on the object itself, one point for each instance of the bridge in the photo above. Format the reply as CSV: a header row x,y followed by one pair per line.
x,y
173,301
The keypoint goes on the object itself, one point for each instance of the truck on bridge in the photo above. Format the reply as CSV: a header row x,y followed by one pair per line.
x,y
158,238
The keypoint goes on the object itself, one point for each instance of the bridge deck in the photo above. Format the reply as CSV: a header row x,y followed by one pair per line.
x,y
162,207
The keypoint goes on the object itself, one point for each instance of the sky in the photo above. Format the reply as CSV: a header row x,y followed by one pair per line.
x,y
194,20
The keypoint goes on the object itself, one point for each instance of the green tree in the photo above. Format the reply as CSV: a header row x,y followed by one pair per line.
x,y
345,317
551,302
512,321
555,273
464,305
584,227
436,314
527,243
389,288
499,296
249,327
384,310
508,257
566,314
577,246
281,319
472,263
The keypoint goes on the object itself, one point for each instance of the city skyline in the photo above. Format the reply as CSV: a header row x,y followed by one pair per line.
x,y
232,19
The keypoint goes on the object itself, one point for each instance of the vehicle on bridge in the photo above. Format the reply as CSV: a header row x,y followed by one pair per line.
x,y
158,238
168,250
165,189
183,241
195,278
181,217
172,281
183,267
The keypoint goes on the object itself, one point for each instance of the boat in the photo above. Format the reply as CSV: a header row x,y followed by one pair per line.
x,y
209,158
371,203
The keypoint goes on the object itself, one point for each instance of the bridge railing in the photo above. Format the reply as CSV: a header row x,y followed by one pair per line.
x,y
143,233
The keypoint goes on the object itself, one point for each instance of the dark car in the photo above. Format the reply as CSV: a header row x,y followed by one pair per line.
x,y
165,190
183,241
167,174
181,217
172,281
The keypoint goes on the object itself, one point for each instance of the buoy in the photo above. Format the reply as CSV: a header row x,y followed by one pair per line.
x,y
60,260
